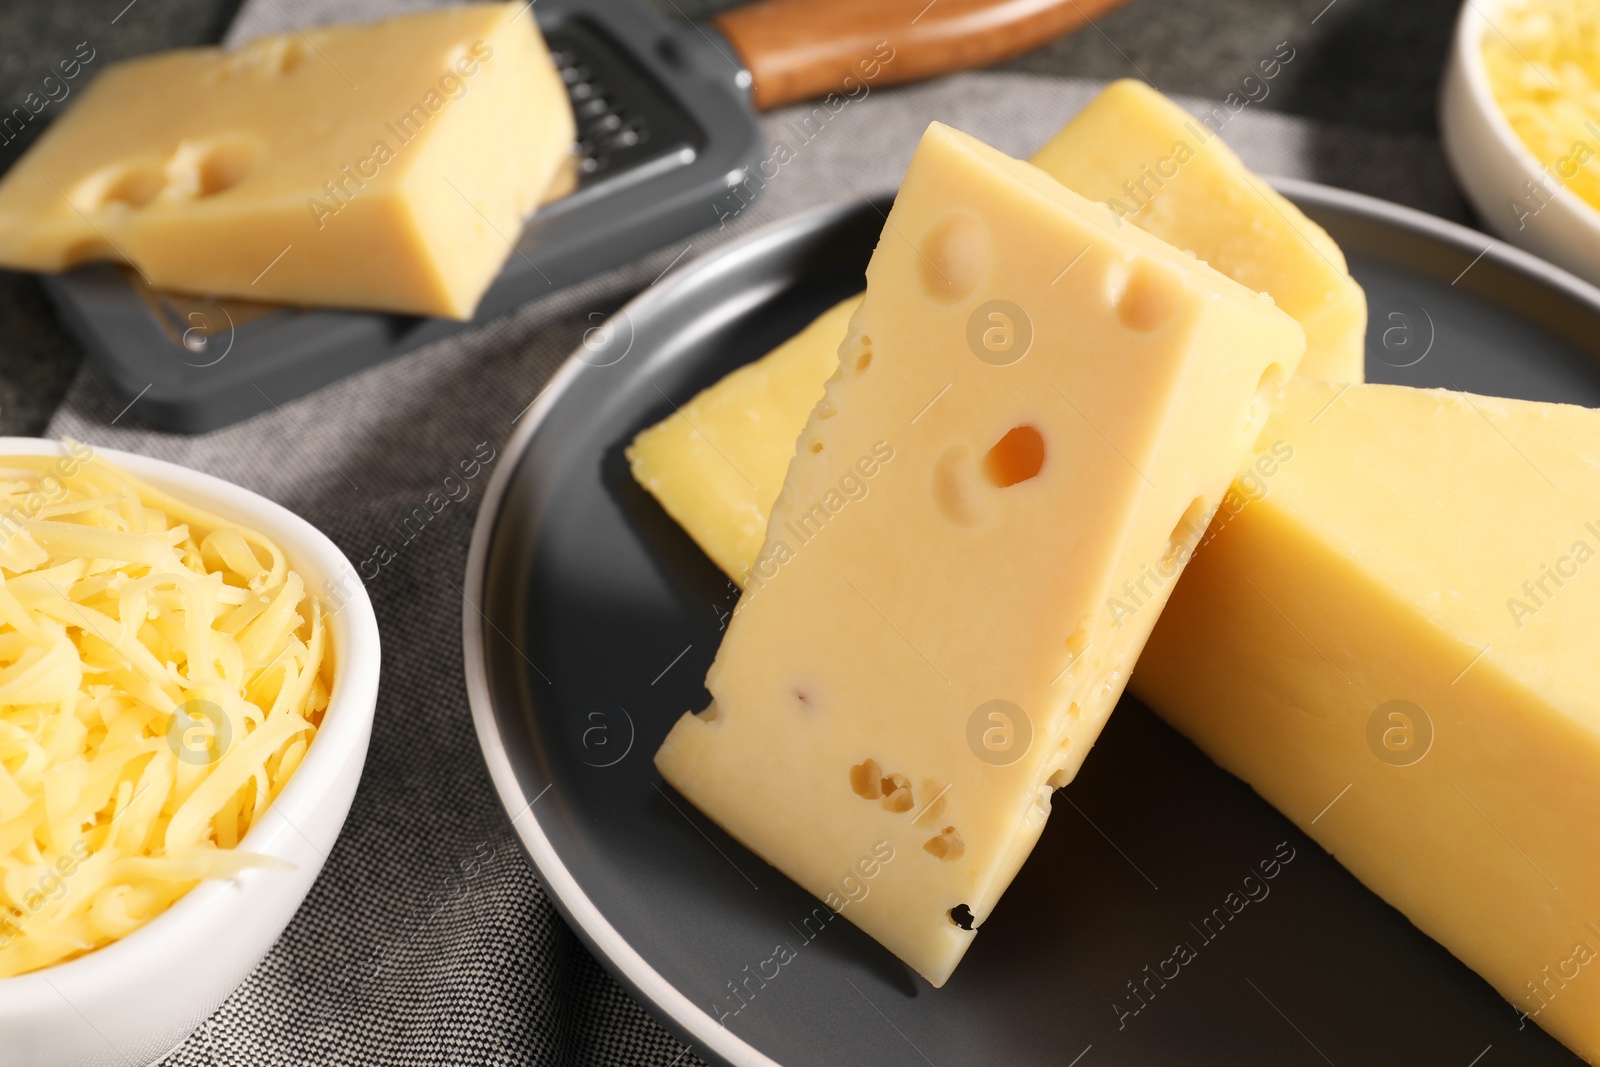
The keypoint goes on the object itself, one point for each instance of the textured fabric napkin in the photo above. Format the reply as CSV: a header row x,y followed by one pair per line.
x,y
428,939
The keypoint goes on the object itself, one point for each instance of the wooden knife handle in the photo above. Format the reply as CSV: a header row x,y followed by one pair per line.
x,y
800,49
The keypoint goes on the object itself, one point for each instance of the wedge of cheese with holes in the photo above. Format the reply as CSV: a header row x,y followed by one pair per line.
x,y
383,166
1172,175
716,465
923,649
1394,643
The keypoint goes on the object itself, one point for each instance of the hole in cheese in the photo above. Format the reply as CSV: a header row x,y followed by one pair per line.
x,y
271,56
1261,403
961,916
1185,535
290,56
955,492
1146,297
897,793
1063,767
131,185
199,169
947,847
816,446
866,779
463,58
1016,457
1271,378
864,360
955,257
221,166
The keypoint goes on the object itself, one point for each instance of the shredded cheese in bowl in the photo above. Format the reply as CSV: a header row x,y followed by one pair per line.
x,y
162,672
1542,59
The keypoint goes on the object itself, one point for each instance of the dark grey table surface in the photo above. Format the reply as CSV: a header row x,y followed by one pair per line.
x,y
1372,64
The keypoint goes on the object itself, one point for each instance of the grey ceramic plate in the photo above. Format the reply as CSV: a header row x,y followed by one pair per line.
x,y
593,619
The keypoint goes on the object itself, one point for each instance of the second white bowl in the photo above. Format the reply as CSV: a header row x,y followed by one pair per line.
x,y
1494,167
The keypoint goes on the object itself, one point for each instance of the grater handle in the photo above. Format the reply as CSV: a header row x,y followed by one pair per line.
x,y
801,49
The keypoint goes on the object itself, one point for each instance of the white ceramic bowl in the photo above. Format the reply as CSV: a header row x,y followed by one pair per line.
x,y
1493,166
134,1000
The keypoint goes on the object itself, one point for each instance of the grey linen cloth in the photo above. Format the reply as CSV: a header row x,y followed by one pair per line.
x,y
428,939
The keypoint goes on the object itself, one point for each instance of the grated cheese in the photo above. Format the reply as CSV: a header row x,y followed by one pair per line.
x,y
1542,58
162,671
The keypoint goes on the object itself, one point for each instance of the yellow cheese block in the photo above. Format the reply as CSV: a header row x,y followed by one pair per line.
x,y
1173,176
725,452
1393,641
716,465
923,648
384,166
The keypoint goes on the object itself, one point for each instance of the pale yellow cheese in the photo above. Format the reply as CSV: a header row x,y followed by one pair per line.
x,y
725,452
1394,643
383,166
923,648
1173,176
716,465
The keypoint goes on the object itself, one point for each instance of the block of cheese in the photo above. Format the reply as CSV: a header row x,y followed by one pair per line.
x,y
1393,641
724,453
923,648
382,166
1156,166
716,466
